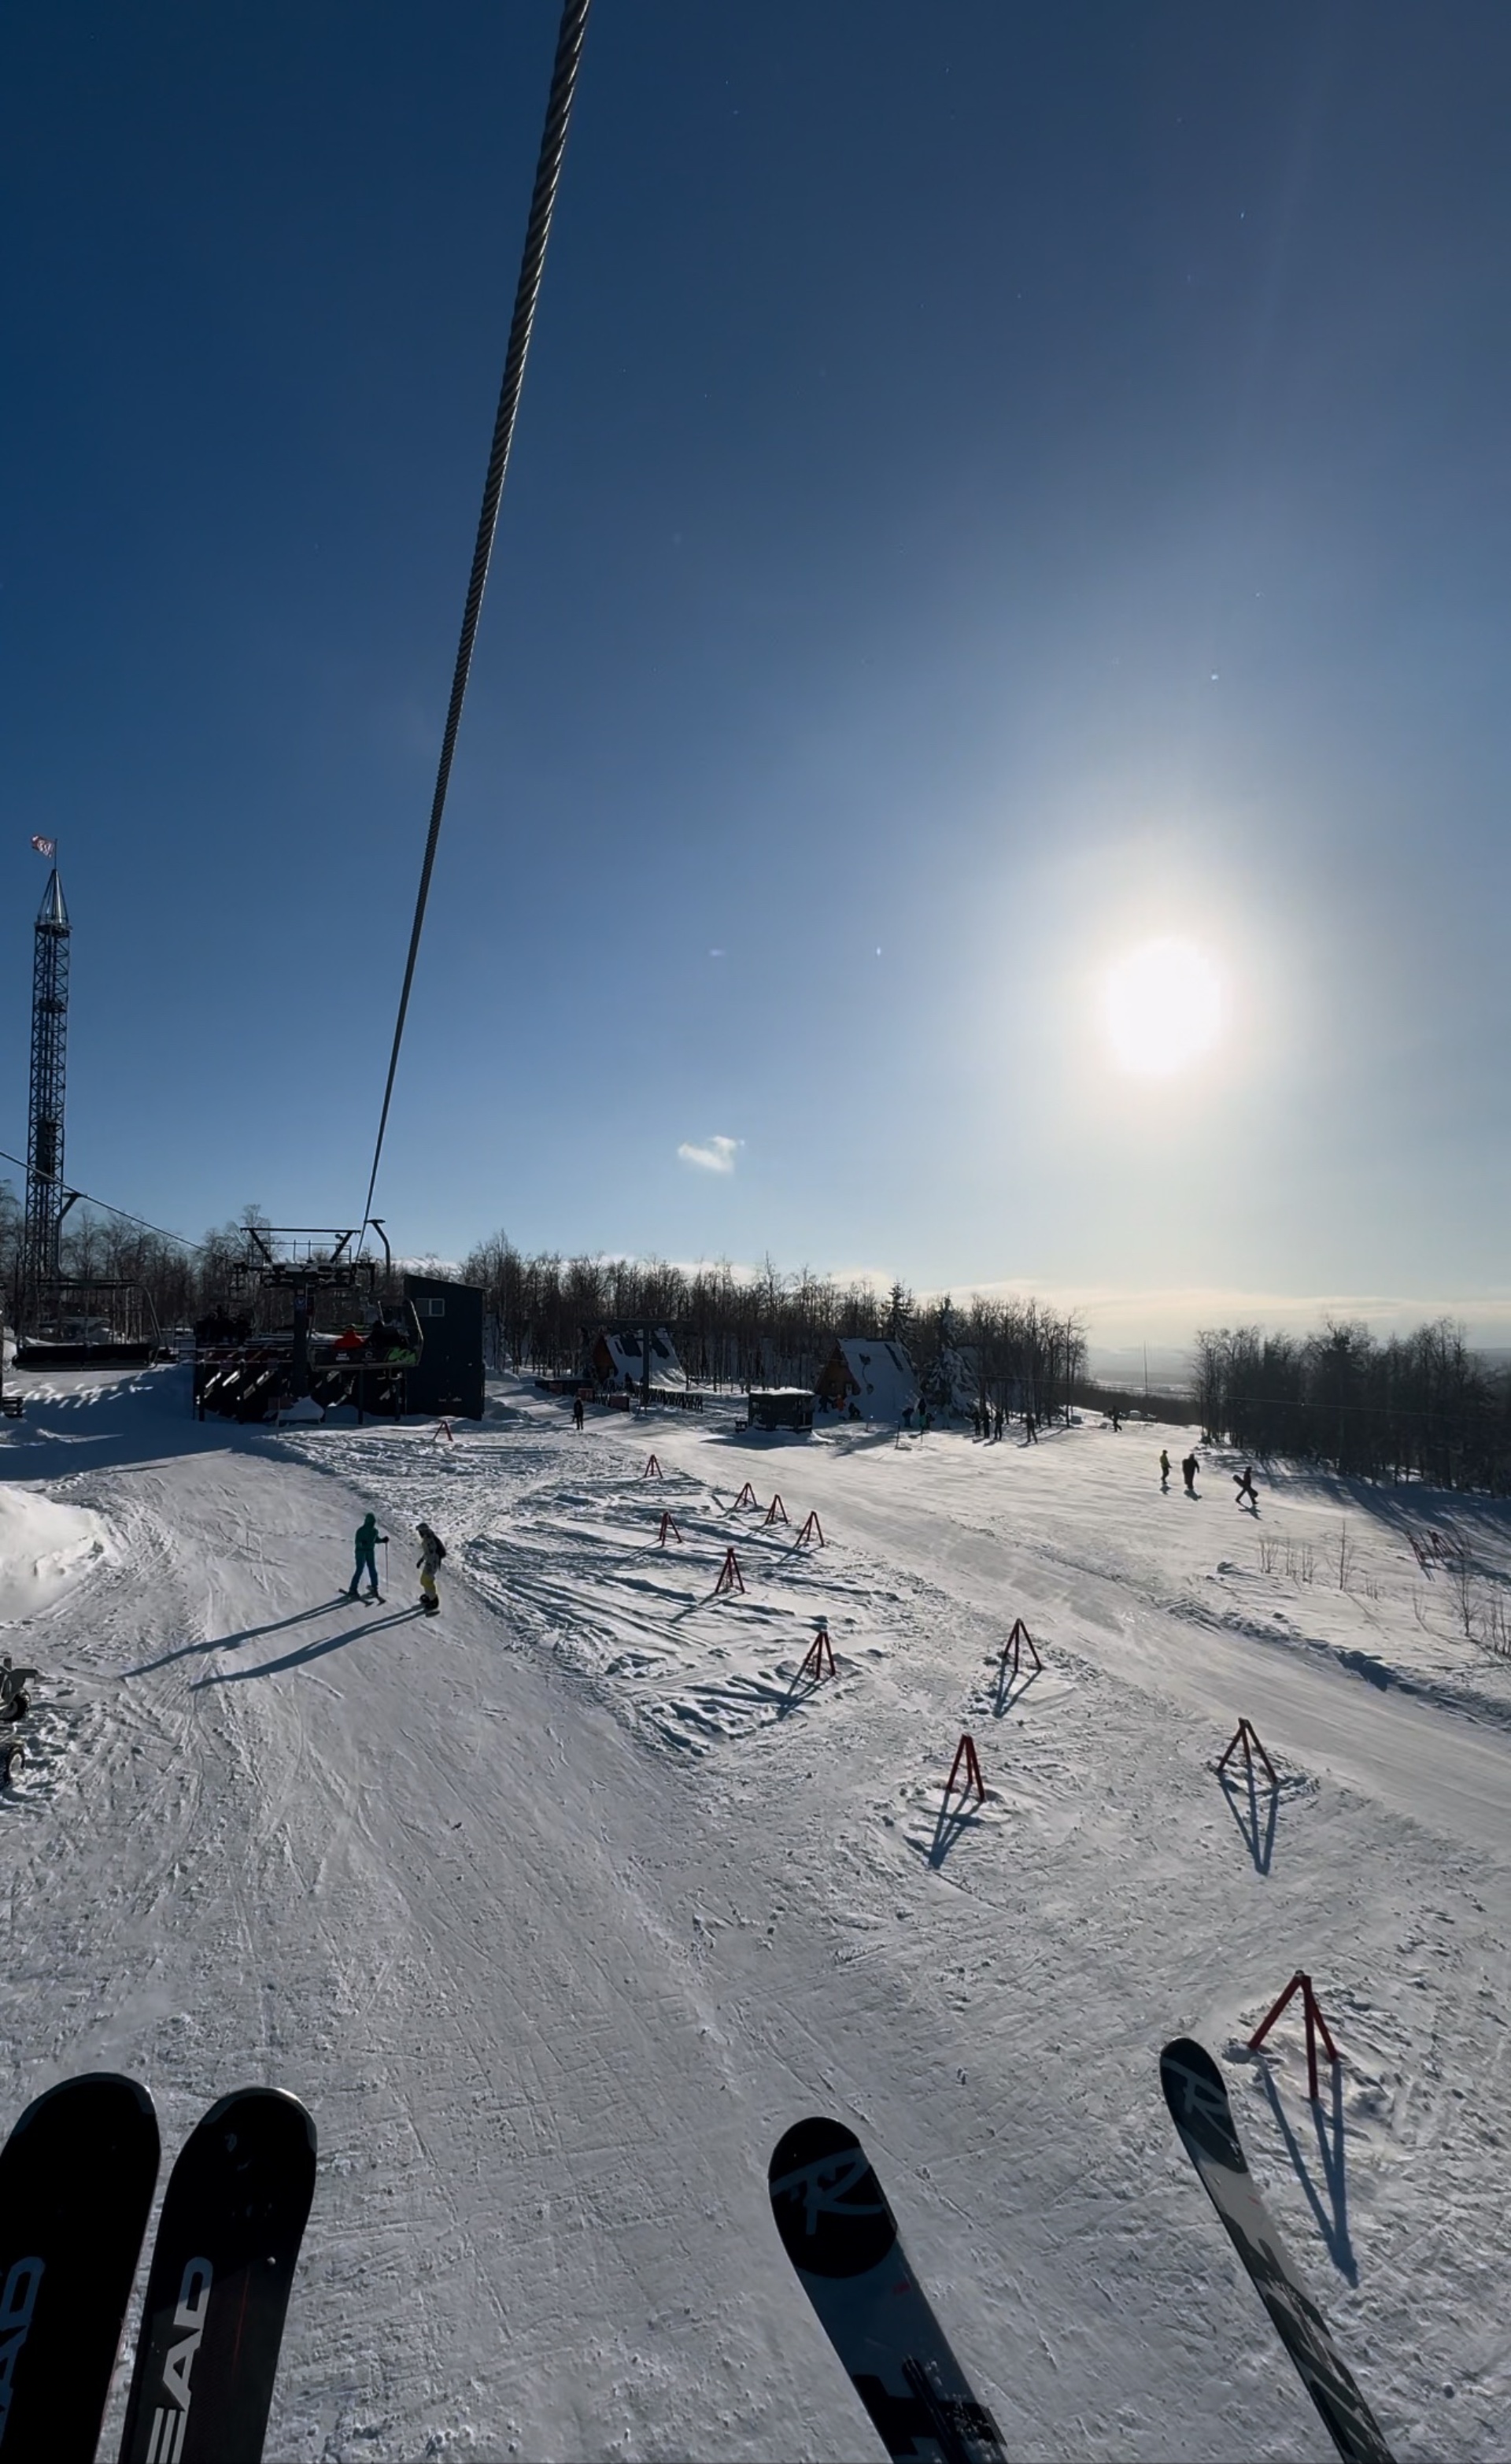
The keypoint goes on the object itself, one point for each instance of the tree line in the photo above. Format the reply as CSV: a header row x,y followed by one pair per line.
x,y
1420,1405
97,1246
732,1328
1416,1406
769,1329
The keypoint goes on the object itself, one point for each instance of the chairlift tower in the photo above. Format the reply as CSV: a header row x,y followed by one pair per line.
x,y
47,1201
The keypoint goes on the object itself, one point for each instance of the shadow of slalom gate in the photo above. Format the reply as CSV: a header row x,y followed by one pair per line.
x,y
950,1824
1242,1794
1332,2216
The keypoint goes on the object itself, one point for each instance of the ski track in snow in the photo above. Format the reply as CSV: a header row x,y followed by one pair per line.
x,y
559,1910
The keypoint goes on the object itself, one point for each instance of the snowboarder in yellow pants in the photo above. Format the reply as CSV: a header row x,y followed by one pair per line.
x,y
429,1562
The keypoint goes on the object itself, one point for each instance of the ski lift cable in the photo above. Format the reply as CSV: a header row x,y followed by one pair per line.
x,y
105,1207
548,174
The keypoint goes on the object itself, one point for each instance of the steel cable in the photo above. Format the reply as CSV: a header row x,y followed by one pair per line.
x,y
548,174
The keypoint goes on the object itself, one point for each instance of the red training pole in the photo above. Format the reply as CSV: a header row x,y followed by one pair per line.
x,y
1266,2024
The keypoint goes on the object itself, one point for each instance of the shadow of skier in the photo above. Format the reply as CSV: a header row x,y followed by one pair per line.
x,y
247,1634
311,1650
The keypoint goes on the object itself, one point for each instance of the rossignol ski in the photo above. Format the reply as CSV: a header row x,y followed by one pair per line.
x,y
218,2289
76,2176
842,2237
1199,2108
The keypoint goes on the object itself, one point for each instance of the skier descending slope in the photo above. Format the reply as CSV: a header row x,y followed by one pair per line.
x,y
429,1562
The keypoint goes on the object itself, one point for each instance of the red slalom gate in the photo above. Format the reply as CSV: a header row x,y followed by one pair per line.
x,y
1012,1650
729,1578
812,1529
776,1513
652,1470
1316,2026
746,1497
1244,1739
819,1661
966,1761
669,1526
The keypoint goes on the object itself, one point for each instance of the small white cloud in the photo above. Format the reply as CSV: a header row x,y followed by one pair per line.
x,y
716,1154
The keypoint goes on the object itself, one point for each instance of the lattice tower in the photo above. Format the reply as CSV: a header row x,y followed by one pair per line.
x,y
44,1135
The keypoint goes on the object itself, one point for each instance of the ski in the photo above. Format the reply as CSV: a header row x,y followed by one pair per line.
x,y
218,2288
842,2237
76,2176
1202,2115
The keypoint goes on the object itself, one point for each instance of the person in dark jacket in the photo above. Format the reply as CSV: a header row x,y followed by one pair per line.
x,y
368,1536
1188,1469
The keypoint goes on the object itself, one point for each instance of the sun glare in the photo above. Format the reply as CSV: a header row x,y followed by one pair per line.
x,y
1164,1008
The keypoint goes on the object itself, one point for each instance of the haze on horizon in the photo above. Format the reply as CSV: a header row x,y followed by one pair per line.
x,y
986,755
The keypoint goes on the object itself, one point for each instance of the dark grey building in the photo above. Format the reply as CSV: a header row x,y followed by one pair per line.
x,y
447,1378
781,1407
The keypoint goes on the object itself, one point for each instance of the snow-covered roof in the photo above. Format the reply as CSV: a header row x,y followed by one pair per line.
x,y
881,1380
624,1357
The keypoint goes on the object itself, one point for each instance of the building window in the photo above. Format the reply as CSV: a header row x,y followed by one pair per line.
x,y
430,1308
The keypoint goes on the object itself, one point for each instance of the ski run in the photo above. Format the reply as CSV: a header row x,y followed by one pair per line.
x,y
559,1910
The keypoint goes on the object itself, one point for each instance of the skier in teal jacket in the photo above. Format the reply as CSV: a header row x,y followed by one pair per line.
x,y
368,1536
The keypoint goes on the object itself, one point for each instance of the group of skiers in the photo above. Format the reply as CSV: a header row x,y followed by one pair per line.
x,y
432,1549
1243,1482
428,1563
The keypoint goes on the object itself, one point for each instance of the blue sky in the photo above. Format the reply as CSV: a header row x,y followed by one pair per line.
x,y
995,487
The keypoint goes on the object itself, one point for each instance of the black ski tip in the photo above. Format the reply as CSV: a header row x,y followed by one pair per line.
x,y
272,2116
230,2231
109,2096
1185,2064
76,2177
808,2142
1197,2093
830,2209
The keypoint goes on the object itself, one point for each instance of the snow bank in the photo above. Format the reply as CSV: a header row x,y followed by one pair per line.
x,y
45,1549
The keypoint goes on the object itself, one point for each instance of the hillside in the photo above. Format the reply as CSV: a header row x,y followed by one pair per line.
x,y
558,1911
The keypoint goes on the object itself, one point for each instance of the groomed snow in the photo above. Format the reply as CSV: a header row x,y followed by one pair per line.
x,y
558,1911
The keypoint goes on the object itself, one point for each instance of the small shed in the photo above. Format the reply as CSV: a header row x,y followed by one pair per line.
x,y
867,1380
781,1407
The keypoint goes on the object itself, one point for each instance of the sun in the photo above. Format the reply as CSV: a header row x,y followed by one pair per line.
x,y
1163,1008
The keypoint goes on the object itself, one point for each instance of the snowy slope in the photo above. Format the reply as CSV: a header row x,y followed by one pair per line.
x,y
558,1912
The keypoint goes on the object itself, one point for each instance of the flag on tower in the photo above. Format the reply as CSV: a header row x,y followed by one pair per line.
x,y
45,847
